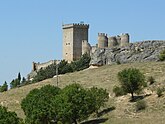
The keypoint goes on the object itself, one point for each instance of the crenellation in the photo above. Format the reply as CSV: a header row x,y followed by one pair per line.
x,y
74,25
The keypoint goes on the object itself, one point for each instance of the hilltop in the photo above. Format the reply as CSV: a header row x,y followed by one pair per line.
x,y
105,77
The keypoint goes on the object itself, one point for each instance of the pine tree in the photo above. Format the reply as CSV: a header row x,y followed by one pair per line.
x,y
19,76
4,87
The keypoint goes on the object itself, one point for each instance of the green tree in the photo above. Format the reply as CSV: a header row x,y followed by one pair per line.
x,y
99,98
131,80
19,77
23,80
14,83
77,103
38,106
7,117
46,73
4,87
82,63
64,67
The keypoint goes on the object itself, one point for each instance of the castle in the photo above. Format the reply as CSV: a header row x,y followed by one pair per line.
x,y
75,41
75,44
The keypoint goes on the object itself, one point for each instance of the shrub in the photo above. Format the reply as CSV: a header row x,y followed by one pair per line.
x,y
140,105
162,55
151,80
118,91
159,92
118,62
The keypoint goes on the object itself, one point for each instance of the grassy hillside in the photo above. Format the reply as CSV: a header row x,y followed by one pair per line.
x,y
106,77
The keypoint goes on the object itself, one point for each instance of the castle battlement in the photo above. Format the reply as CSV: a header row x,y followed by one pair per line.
x,y
124,34
75,25
102,34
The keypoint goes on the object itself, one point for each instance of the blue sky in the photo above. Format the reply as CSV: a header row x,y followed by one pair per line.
x,y
30,30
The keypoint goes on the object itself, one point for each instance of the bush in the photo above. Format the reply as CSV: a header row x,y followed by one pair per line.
x,y
159,92
162,55
140,105
151,80
118,62
118,91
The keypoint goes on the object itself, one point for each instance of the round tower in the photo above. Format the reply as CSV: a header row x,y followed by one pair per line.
x,y
86,48
102,40
118,38
112,41
124,39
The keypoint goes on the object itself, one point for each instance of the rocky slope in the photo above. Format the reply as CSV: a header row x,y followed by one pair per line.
x,y
136,52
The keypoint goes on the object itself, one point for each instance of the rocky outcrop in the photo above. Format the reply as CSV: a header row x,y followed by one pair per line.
x,y
134,52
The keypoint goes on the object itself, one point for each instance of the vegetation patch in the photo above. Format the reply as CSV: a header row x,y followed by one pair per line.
x,y
140,105
159,91
118,91
162,55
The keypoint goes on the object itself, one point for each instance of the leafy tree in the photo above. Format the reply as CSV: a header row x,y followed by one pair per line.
x,y
46,73
69,105
37,105
131,80
7,117
4,87
100,97
82,63
74,104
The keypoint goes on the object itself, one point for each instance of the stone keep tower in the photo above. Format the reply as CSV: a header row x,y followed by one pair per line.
x,y
73,36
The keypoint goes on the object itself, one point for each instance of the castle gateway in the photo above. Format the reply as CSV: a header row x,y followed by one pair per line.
x,y
75,41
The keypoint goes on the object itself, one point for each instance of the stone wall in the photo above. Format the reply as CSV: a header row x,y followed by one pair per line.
x,y
37,66
134,52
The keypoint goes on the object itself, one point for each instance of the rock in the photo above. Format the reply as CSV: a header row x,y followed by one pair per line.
x,y
135,52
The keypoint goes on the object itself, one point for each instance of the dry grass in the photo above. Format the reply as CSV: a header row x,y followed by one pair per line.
x,y
105,77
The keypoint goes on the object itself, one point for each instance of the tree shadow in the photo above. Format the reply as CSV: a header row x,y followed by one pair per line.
x,y
95,121
105,111
137,98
